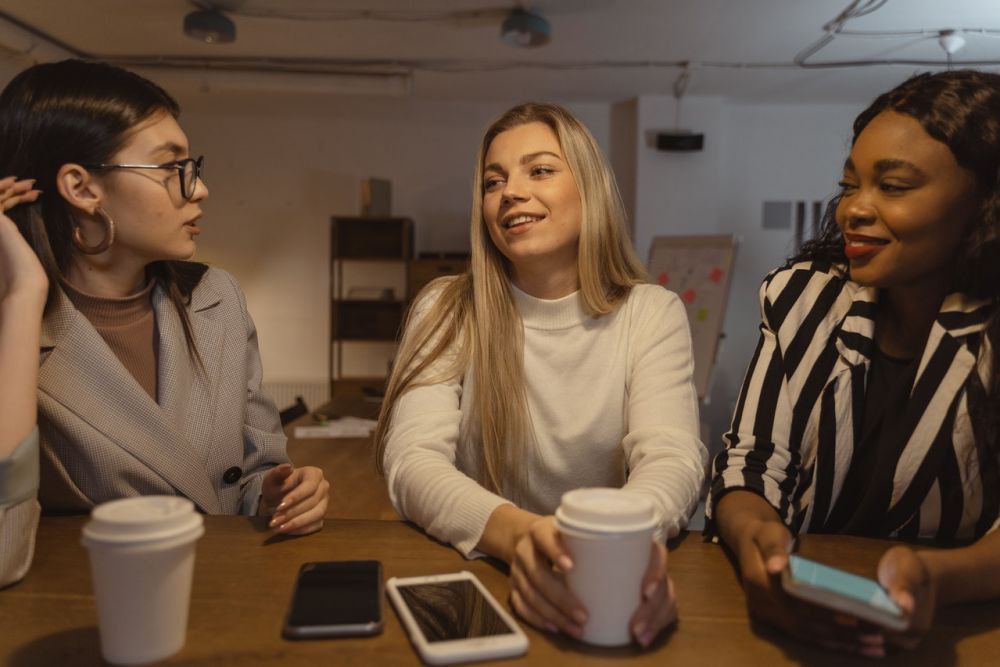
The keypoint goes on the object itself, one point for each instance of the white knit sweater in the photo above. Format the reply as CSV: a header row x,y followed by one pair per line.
x,y
611,403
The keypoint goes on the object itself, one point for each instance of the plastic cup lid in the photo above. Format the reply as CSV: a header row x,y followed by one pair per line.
x,y
606,510
141,519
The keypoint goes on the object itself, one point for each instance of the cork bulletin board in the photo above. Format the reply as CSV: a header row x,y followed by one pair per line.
x,y
698,269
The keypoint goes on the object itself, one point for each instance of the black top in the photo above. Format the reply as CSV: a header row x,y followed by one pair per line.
x,y
865,495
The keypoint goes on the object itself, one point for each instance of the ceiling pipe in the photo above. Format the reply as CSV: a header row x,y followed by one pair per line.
x,y
208,74
321,83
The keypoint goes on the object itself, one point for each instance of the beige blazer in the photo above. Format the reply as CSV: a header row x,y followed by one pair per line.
x,y
103,437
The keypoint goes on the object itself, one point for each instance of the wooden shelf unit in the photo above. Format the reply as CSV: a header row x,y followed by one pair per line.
x,y
369,293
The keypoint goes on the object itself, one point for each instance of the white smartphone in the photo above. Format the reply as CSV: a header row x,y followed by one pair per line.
x,y
842,591
336,598
453,618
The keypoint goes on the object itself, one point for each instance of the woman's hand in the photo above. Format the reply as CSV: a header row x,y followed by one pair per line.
x,y
296,497
905,575
540,595
538,591
658,609
763,551
21,274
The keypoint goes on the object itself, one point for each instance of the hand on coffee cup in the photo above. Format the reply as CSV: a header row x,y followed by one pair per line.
x,y
659,604
296,498
538,590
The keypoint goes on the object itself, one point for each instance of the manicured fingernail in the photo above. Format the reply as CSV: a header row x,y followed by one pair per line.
x,y
565,562
646,639
271,523
282,505
775,564
580,616
650,589
638,629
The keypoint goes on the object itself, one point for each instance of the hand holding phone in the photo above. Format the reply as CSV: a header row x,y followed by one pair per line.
x,y
453,618
336,598
842,591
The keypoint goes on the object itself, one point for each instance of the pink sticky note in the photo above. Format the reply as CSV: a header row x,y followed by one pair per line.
x,y
663,278
689,296
716,275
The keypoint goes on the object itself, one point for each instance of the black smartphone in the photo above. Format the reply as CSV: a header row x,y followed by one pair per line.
x,y
336,598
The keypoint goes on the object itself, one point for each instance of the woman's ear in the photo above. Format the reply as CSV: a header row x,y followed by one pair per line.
x,y
77,186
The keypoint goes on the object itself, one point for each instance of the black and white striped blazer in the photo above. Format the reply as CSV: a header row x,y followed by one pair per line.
x,y
799,414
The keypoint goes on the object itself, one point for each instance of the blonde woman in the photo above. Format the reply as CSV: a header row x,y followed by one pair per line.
x,y
549,366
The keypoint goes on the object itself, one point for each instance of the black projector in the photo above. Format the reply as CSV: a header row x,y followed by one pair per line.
x,y
679,141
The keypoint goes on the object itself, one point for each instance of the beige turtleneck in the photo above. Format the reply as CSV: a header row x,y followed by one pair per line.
x,y
128,325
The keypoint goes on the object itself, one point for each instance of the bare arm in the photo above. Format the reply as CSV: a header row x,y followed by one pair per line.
x,y
742,513
23,288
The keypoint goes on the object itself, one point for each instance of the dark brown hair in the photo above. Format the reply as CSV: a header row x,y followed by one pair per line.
x,y
80,112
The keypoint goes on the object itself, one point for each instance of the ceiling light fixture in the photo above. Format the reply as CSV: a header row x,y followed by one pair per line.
x,y
525,29
209,26
951,42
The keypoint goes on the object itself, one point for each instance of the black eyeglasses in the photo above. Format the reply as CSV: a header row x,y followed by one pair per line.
x,y
188,169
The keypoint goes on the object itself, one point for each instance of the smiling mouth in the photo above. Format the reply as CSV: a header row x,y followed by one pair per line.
x,y
854,240
518,220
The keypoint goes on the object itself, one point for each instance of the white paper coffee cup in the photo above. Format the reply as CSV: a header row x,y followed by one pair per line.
x,y
142,561
608,533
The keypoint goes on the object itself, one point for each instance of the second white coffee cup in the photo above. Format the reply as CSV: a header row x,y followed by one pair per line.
x,y
142,562
608,533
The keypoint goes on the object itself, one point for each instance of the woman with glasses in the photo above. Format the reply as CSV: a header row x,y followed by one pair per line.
x,y
549,366
150,376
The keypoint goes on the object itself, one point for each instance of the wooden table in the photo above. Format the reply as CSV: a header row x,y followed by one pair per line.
x,y
243,582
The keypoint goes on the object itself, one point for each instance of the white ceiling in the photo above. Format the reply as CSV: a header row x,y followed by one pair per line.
x,y
601,50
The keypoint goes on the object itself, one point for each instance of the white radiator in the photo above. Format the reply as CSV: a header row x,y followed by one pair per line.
x,y
314,393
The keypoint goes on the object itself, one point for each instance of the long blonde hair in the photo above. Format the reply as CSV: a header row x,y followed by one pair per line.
x,y
475,320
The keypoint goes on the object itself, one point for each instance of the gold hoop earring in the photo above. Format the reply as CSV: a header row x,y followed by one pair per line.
x,y
109,235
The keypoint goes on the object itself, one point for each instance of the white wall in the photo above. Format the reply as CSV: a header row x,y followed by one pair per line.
x,y
279,166
753,153
677,193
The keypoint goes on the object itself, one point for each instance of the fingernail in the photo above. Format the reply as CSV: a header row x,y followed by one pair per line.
x,y
874,639
281,505
552,627
646,639
650,589
565,562
872,651
575,631
638,629
775,564
580,616
270,524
